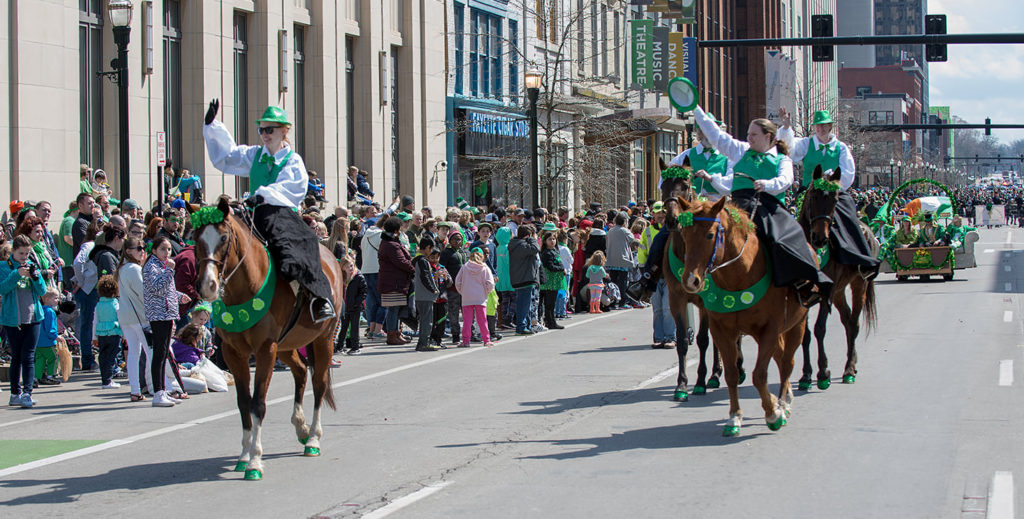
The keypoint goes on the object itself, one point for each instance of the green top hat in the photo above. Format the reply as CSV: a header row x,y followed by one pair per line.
x,y
683,94
274,114
822,117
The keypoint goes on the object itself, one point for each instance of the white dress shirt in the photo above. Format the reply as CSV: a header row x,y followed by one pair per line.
x,y
798,150
290,188
734,150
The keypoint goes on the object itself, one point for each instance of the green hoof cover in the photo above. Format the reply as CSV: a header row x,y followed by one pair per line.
x,y
241,466
253,475
700,390
824,384
303,440
804,385
713,383
849,379
743,376
680,396
731,430
311,451
776,425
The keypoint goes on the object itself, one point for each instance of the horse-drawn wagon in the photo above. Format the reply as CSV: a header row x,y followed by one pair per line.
x,y
922,261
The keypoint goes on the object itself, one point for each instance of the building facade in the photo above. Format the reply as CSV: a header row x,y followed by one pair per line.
x,y
902,17
855,18
903,80
356,77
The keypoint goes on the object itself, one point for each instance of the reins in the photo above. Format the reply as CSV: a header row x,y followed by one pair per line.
x,y
223,280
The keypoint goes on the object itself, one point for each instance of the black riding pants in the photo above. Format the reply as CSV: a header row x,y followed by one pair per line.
x,y
849,242
294,247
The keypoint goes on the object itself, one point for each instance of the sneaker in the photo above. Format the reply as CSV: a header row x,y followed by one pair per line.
x,y
280,366
335,363
26,401
464,345
497,337
537,328
111,385
488,344
428,347
354,351
162,400
524,332
15,400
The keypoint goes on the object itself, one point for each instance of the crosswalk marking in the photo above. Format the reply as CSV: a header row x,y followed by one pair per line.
x,y
1006,373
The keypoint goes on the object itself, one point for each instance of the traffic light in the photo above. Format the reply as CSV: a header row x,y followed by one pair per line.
x,y
821,27
935,24
988,126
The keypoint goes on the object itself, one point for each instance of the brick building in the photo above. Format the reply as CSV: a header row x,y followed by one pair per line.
x,y
754,19
906,78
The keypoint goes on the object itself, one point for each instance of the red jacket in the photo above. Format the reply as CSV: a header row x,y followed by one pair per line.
x,y
185,277
396,268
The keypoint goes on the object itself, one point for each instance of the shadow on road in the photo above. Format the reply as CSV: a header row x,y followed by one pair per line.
x,y
136,477
611,349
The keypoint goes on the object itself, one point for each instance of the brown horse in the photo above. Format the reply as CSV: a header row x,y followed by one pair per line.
x,y
679,298
816,214
722,246
233,265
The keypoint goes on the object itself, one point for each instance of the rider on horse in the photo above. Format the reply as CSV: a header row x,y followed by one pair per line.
x,y
759,175
824,149
277,186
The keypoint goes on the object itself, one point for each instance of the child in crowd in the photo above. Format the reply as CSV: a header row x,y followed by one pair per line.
x,y
425,288
200,316
21,286
554,278
186,347
355,295
444,280
107,330
596,275
474,282
46,356
562,299
492,315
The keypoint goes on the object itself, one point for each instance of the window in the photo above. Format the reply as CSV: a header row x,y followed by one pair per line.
x,y
542,23
881,117
604,40
494,23
593,38
863,91
513,60
617,43
395,184
459,46
485,55
90,100
474,55
350,106
241,89
553,20
172,78
580,38
299,117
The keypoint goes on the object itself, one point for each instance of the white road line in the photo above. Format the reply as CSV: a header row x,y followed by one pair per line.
x,y
173,428
407,500
659,377
1000,496
1006,373
1007,268
988,251
1008,287
34,418
1009,236
1007,316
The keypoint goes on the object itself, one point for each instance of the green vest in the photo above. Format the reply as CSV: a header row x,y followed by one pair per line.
x,y
760,166
828,158
717,163
261,175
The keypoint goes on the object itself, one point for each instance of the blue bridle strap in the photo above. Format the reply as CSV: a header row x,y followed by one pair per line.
x,y
718,237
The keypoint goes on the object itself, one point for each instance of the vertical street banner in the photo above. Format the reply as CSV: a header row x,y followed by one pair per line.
x,y
659,59
642,38
682,57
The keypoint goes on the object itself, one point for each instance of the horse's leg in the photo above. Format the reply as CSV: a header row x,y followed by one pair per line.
x,y
321,385
238,365
298,368
265,356
785,359
851,322
805,344
728,351
820,326
739,359
767,344
703,342
681,319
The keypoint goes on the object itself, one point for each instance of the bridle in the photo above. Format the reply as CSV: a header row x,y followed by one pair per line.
x,y
223,280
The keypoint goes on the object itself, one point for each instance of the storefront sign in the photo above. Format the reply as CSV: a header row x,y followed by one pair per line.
x,y
491,135
496,125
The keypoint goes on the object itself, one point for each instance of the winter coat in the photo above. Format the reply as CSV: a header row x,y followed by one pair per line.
x,y
523,265
104,322
9,279
370,247
395,266
161,298
185,274
619,252
474,282
596,242
177,244
355,294
551,262
105,260
453,260
424,284
502,237
48,330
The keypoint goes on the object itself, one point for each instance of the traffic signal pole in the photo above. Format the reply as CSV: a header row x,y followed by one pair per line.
x,y
896,39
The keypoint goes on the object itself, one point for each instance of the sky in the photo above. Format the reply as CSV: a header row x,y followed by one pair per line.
x,y
981,81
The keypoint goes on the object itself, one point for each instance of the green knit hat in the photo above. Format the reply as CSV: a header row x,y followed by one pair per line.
x,y
549,227
822,117
462,204
274,114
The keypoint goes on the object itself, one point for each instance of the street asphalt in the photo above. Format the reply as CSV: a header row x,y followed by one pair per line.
x,y
574,423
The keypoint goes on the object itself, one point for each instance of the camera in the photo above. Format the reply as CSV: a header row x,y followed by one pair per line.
x,y
32,269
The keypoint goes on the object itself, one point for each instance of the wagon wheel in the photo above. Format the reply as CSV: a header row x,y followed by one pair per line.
x,y
901,278
947,277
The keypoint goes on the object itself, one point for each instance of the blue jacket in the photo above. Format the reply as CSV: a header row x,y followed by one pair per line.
x,y
503,237
106,318
48,330
9,278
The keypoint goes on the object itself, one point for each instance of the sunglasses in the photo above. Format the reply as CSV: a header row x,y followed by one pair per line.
x,y
266,130
174,219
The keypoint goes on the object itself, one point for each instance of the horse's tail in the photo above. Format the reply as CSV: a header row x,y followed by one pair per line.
x,y
870,306
329,391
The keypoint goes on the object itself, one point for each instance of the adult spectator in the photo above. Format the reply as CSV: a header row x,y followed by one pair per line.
x,y
65,242
620,256
598,239
131,313
44,210
131,210
524,274
185,274
85,216
85,294
39,255
395,276
370,246
453,257
171,230
107,251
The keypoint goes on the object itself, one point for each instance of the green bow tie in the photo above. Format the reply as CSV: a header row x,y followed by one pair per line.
x,y
269,160
709,152
823,147
759,157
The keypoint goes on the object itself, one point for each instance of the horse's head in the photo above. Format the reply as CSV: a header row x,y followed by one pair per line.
x,y
700,224
676,180
211,227
819,204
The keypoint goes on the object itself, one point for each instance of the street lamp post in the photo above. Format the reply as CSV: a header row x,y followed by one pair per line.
x,y
532,82
120,13
892,167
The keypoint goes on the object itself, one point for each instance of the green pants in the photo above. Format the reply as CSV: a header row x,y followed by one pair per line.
x,y
46,362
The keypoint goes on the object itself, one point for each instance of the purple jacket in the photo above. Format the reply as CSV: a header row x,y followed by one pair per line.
x,y
396,268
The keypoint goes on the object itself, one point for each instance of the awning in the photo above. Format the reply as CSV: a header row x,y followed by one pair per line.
x,y
611,132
